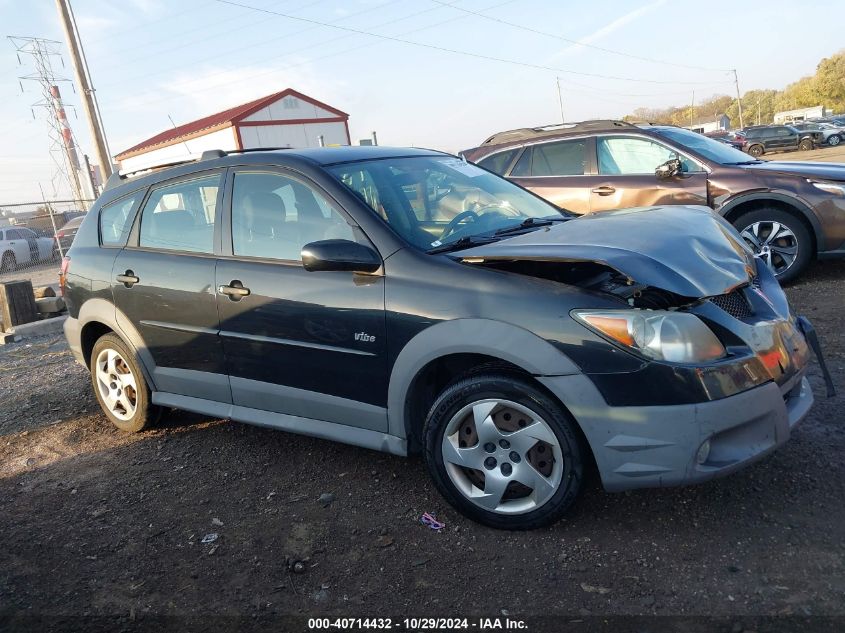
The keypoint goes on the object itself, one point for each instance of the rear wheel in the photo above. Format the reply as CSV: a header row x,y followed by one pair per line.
x,y
779,238
834,140
756,150
8,263
120,387
503,453
805,145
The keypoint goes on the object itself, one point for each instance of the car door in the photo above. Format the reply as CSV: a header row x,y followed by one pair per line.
x,y
626,175
559,171
18,244
163,282
307,344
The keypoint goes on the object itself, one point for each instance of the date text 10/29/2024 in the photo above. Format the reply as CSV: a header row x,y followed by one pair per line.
x,y
416,624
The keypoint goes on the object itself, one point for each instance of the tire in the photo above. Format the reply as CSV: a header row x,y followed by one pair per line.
x,y
9,263
756,151
111,362
834,140
805,145
483,412
767,220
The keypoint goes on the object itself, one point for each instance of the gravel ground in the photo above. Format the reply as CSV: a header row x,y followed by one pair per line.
x,y
95,522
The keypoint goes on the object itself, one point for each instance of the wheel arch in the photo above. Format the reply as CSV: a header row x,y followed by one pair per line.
x,y
734,208
99,316
450,349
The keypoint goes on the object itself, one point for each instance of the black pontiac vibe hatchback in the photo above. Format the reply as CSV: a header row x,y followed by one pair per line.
x,y
406,301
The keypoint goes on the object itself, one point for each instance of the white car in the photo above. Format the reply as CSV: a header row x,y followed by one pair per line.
x,y
19,245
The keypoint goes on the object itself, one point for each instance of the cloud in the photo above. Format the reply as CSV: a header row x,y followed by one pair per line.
x,y
607,29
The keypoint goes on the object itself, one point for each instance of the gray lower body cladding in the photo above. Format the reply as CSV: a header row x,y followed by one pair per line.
x,y
657,446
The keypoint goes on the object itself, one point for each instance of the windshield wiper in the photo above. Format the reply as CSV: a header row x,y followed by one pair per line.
x,y
528,223
464,242
746,162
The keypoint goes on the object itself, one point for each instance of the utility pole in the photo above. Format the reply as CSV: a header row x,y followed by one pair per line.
x,y
560,99
738,99
692,109
83,80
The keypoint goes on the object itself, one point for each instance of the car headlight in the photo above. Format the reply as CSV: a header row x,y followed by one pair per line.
x,y
830,187
676,337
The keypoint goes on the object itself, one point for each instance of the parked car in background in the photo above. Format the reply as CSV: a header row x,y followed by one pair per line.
x,y
789,213
764,139
511,344
65,235
831,135
20,246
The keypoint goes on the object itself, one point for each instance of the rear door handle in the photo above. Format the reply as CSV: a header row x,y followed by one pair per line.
x,y
604,190
128,279
235,290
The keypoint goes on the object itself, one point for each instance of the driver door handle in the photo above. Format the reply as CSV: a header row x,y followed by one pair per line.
x,y
235,290
128,279
604,190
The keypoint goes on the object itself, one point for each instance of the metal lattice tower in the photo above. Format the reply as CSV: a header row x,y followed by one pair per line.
x,y
42,52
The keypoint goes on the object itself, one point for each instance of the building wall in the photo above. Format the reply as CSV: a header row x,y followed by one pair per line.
x,y
800,114
293,135
290,107
221,139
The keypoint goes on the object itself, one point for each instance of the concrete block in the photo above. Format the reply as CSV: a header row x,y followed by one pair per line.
x,y
40,328
9,337
48,305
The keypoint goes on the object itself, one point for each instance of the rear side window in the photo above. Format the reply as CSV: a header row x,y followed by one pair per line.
x,y
562,158
180,217
115,221
499,163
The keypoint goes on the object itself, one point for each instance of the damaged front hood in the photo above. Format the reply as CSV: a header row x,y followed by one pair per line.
x,y
689,251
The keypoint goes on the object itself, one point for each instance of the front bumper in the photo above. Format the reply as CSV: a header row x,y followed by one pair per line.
x,y
657,446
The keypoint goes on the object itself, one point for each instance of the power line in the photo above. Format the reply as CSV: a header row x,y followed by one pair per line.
x,y
452,50
316,45
577,42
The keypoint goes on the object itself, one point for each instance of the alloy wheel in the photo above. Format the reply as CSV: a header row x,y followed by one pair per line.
x,y
116,384
502,457
774,242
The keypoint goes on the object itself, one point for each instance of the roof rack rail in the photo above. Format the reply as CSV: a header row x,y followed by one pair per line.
x,y
555,128
210,154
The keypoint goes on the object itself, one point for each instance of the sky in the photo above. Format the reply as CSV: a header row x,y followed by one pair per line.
x,y
472,67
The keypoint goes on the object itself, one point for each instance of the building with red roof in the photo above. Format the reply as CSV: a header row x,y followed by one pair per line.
x,y
282,119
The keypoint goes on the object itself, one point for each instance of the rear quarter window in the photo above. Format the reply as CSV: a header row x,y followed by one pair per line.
x,y
116,221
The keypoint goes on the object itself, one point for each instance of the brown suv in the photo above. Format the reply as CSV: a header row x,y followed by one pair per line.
x,y
788,212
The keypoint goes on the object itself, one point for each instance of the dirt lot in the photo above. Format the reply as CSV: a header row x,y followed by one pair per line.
x,y
95,522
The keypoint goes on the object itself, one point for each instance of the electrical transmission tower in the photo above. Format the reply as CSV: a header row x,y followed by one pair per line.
x,y
42,52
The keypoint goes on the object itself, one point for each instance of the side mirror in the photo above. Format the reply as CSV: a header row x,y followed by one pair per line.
x,y
670,168
339,255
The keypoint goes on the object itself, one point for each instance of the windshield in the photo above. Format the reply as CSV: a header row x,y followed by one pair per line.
x,y
433,201
707,147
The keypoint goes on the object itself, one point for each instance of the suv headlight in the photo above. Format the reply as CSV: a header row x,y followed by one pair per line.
x,y
676,337
829,187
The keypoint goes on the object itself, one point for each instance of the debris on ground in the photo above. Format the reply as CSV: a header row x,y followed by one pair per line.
x,y
431,521
210,538
326,499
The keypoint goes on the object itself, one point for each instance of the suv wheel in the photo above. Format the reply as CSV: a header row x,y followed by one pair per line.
x,y
834,140
805,145
756,150
502,452
779,238
120,387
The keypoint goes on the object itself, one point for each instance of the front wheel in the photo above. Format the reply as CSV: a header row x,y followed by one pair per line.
x,y
120,387
805,145
779,238
503,452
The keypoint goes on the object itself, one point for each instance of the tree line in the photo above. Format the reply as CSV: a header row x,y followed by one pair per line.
x,y
826,87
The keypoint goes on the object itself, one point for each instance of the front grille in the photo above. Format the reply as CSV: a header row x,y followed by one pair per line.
x,y
734,303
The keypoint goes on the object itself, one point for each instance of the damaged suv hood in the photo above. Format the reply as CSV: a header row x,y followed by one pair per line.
x,y
689,251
